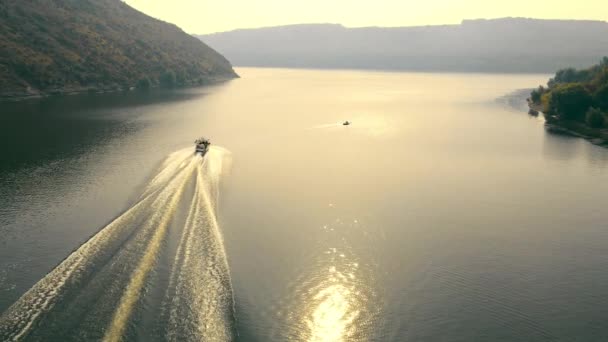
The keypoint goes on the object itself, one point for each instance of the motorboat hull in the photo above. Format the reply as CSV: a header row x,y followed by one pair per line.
x,y
201,149
201,146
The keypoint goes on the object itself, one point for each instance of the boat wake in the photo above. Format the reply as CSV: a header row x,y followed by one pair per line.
x,y
156,272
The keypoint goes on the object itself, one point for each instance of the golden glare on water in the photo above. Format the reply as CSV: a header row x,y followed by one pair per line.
x,y
334,308
333,316
334,298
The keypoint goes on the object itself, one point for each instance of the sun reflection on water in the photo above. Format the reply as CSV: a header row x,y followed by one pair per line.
x,y
333,304
333,316
334,298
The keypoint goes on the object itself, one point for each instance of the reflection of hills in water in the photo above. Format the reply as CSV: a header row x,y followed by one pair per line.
x,y
157,272
46,129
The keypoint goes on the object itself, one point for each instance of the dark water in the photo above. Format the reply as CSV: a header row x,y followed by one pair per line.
x,y
443,213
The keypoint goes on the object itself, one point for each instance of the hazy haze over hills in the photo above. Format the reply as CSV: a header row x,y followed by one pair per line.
x,y
502,45
51,46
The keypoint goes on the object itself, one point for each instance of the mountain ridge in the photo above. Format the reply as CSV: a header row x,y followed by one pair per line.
x,y
477,45
463,22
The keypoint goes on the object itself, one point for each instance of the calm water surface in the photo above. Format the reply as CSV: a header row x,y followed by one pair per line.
x,y
443,213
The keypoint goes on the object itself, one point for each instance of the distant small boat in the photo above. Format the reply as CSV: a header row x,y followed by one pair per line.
x,y
346,123
201,146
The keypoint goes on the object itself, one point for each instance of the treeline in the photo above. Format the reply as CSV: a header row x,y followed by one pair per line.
x,y
576,96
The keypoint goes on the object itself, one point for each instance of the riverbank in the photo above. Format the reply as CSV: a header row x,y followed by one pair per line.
x,y
29,93
596,136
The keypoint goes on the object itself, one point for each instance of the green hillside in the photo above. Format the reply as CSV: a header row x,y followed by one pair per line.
x,y
576,101
61,46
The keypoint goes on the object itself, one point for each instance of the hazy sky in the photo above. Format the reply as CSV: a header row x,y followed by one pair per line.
x,y
206,16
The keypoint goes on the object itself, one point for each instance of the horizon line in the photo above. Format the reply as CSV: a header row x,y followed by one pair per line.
x,y
404,26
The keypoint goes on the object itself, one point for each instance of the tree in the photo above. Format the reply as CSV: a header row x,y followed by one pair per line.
x,y
569,101
180,77
144,83
569,75
545,100
595,118
600,97
536,94
168,79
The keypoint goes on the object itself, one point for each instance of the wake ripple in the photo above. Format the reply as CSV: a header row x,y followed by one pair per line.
x,y
106,289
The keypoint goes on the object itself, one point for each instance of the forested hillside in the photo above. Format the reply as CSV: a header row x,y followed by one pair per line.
x,y
58,46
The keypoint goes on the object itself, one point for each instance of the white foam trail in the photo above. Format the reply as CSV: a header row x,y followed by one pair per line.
x,y
126,251
132,292
18,319
201,306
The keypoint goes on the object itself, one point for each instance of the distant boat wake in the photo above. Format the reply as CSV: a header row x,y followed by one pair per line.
x,y
157,272
328,126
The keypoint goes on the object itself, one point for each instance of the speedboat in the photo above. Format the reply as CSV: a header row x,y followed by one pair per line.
x,y
201,146
346,123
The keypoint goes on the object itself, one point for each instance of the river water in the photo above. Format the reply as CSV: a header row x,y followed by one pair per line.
x,y
442,213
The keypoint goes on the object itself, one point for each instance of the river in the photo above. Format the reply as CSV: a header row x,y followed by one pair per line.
x,y
444,212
